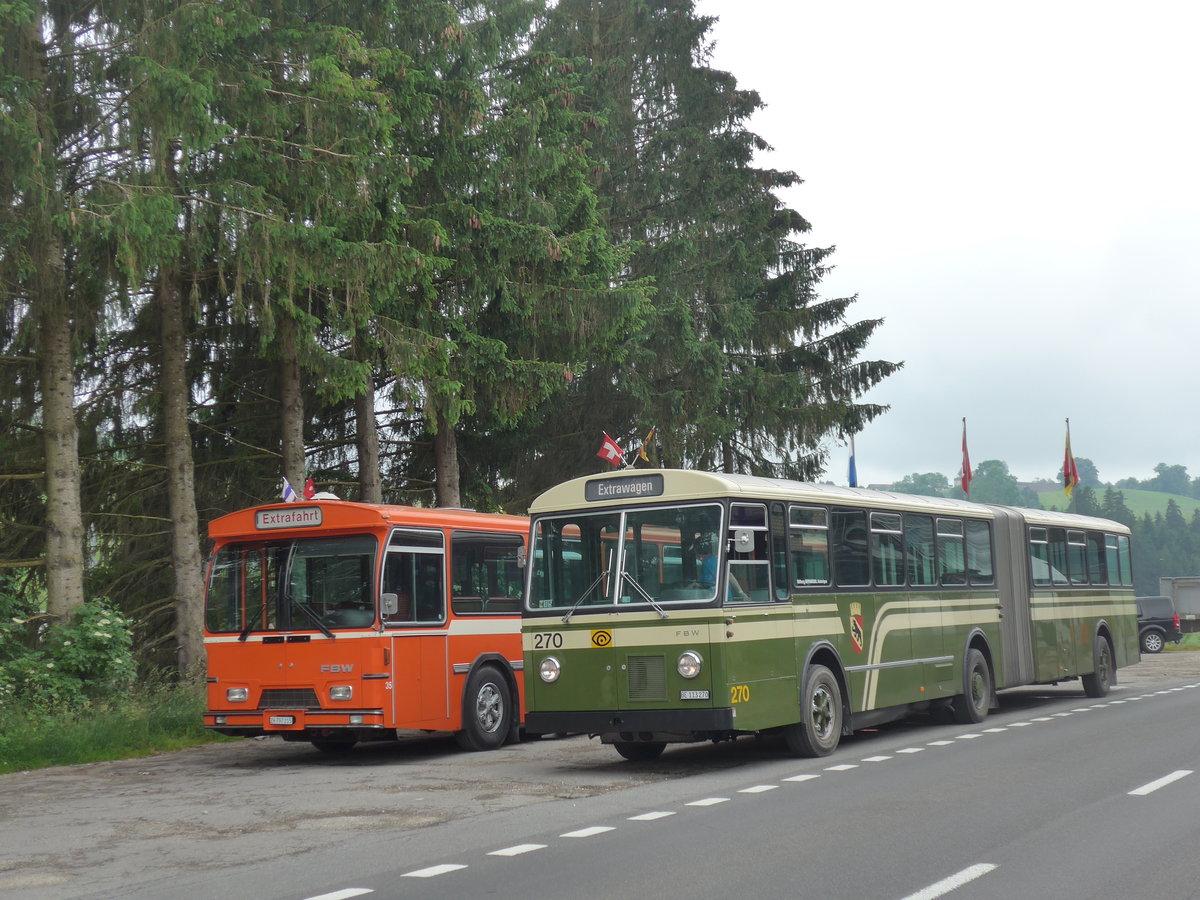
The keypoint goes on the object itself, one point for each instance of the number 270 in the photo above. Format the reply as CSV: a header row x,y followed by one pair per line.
x,y
739,693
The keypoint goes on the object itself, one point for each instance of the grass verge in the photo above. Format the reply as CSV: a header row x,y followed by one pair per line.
x,y
1189,642
150,719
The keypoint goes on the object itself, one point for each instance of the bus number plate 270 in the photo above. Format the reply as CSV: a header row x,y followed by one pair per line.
x,y
547,640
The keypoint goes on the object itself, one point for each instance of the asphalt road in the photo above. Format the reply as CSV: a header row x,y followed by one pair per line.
x,y
1040,807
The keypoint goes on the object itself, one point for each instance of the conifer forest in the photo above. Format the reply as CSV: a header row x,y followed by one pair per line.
x,y
420,251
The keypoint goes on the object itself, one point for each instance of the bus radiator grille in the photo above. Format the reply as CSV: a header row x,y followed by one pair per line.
x,y
647,678
290,698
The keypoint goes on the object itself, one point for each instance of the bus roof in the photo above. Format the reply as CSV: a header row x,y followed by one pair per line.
x,y
346,515
656,485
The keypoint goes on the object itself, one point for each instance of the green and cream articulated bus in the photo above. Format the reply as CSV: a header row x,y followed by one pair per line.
x,y
673,606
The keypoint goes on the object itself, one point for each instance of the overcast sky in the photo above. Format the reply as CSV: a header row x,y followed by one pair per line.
x,y
1015,189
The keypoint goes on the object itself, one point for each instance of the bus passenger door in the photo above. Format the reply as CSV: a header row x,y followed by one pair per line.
x,y
414,571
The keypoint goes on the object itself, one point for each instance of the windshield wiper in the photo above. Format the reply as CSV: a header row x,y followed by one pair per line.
x,y
316,620
587,590
250,623
625,576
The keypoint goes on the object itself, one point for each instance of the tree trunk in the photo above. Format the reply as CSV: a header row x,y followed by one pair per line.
x,y
181,489
367,439
56,349
445,462
64,507
291,419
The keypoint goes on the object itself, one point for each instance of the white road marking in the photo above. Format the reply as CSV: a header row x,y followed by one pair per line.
x,y
996,730
1160,783
517,850
968,737
591,831
957,880
1062,715
708,801
433,871
802,777
344,894
1041,718
876,758
758,789
1020,724
844,767
650,816
940,743
912,750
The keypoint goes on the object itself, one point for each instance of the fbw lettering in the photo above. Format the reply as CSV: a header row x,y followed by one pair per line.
x,y
687,632
338,668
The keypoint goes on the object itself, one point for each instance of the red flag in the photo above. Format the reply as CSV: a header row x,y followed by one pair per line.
x,y
1070,474
965,474
611,451
309,490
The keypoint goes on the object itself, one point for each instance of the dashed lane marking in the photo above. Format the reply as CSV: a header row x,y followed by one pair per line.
x,y
518,850
588,832
953,882
434,871
651,816
1160,783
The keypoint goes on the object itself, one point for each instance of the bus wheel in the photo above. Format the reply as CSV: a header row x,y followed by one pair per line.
x,y
640,751
1102,677
336,746
487,712
820,726
972,704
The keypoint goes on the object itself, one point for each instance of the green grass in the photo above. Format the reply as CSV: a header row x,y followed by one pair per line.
x,y
1189,642
1139,502
149,720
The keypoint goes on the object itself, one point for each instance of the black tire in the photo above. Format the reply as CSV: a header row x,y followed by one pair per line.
x,y
1104,673
1153,641
487,711
335,746
972,705
640,751
820,727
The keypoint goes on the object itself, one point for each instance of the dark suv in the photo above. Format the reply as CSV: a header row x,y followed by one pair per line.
x,y
1157,623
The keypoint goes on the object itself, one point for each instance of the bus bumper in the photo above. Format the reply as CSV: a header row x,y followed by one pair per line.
x,y
685,724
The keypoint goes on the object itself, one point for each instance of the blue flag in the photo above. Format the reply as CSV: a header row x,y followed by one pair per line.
x,y
853,468
286,492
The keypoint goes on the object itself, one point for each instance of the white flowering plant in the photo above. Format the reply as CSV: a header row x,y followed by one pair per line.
x,y
46,665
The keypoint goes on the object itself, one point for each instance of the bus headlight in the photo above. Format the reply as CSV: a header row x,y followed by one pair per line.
x,y
237,695
341,692
550,670
689,664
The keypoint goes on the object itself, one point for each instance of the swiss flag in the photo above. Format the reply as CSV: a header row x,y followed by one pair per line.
x,y
309,490
611,451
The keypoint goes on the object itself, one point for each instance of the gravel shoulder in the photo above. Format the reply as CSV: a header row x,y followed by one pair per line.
x,y
86,830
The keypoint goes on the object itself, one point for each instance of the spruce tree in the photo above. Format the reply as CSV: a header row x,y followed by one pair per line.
x,y
740,365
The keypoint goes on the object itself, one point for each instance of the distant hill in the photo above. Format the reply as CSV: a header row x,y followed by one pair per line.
x,y
1139,502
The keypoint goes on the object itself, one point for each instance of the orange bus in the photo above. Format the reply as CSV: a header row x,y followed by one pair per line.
x,y
336,622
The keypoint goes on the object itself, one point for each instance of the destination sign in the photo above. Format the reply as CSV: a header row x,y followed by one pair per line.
x,y
623,488
300,517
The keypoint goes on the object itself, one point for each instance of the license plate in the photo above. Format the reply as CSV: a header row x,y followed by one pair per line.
x,y
283,720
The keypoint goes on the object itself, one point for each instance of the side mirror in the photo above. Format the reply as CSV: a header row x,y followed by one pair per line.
x,y
390,604
521,557
743,540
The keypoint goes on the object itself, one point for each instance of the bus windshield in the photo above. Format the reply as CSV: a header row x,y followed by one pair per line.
x,y
315,583
666,554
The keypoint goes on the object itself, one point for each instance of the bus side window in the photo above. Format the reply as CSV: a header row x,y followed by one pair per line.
x,y
485,575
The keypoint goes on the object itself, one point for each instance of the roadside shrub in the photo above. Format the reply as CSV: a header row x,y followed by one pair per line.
x,y
47,665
